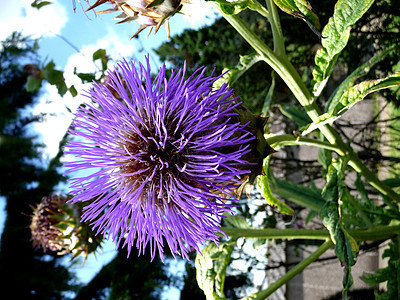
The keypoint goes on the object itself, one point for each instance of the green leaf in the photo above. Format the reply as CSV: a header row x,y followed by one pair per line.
x,y
297,193
33,84
346,247
351,97
99,54
295,113
155,3
391,273
393,182
211,266
382,215
52,75
268,98
55,77
39,3
363,193
236,221
324,158
335,36
61,88
356,74
86,77
263,182
361,90
62,226
300,9
73,91
233,8
245,63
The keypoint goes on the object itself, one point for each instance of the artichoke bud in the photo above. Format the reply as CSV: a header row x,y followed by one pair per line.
x,y
260,149
148,13
56,226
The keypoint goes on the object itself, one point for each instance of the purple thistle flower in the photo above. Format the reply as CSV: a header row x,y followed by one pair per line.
x,y
165,155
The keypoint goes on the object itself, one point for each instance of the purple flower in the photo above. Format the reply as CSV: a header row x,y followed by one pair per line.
x,y
165,155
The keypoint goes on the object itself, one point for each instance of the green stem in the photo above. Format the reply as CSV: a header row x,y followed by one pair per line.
x,y
276,233
288,139
293,80
256,6
279,47
294,271
372,234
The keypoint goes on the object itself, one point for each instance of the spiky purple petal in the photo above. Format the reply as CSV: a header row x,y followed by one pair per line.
x,y
164,154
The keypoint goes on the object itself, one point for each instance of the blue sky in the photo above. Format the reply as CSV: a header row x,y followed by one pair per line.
x,y
69,39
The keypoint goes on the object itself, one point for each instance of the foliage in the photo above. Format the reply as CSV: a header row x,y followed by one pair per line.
x,y
24,178
127,278
314,77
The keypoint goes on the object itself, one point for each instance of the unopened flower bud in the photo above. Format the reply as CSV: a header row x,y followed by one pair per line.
x,y
56,226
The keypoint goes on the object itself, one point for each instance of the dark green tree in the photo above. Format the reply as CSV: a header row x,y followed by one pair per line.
x,y
128,278
25,273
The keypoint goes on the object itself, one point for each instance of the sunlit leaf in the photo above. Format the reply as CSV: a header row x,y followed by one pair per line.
x,y
351,97
211,267
263,183
335,36
234,73
356,74
346,247
233,7
236,221
300,9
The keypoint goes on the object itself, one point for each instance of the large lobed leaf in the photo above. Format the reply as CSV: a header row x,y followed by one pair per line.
x,y
211,266
351,97
356,74
300,9
263,183
346,247
391,273
334,38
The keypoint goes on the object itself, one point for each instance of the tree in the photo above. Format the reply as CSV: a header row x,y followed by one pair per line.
x,y
25,273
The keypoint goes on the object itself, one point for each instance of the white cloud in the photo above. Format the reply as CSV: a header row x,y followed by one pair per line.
x,y
57,119
199,13
21,16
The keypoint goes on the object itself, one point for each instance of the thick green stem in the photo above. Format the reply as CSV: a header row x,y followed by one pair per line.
x,y
372,234
275,233
288,139
294,271
293,80
279,47
256,6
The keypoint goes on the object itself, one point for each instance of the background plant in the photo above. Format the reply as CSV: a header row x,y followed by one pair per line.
x,y
311,78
